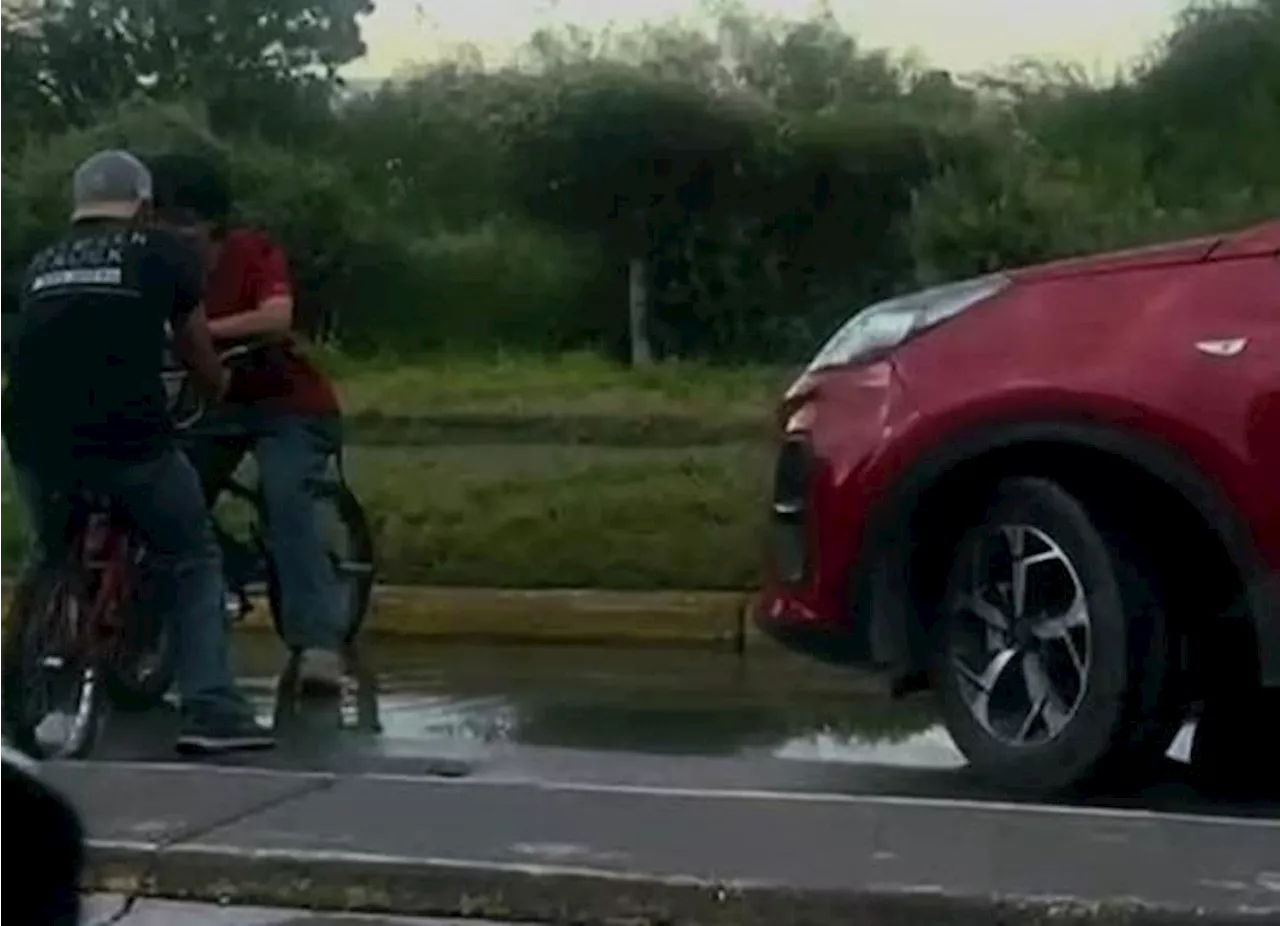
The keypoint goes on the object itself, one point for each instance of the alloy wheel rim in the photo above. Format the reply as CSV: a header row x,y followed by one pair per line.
x,y
1021,642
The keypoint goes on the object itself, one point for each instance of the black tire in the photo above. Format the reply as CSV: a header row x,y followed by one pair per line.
x,y
31,636
142,670
1130,708
360,545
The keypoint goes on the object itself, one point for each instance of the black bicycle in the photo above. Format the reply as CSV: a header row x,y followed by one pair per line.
x,y
223,455
222,452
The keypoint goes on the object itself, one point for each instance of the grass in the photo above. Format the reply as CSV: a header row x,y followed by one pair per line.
x,y
525,472
572,398
553,516
545,516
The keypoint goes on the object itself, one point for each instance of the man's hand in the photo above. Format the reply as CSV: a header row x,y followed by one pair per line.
x,y
193,345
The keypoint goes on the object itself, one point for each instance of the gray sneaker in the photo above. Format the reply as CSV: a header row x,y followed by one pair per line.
x,y
211,733
320,672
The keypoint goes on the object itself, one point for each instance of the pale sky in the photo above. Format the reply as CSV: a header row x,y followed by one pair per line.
x,y
960,35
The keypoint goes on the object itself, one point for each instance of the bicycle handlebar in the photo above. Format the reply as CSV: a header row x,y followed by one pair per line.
x,y
186,405
228,355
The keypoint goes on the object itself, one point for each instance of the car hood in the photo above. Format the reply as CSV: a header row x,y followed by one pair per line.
x,y
1259,239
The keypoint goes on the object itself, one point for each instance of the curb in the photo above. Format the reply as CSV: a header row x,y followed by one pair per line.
x,y
562,615
565,616
536,893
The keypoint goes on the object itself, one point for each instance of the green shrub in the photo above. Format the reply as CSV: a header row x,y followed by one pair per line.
x,y
503,283
367,281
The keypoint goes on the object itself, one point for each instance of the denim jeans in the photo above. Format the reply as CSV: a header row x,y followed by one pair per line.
x,y
293,454
163,500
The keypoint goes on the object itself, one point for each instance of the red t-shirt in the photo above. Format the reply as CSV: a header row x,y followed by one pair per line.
x,y
250,269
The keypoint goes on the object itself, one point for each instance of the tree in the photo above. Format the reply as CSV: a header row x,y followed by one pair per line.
x,y
611,150
807,66
428,150
64,61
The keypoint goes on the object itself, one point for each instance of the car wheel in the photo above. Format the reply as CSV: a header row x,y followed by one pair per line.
x,y
1054,663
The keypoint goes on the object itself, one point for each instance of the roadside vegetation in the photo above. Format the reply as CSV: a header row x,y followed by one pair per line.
x,y
467,239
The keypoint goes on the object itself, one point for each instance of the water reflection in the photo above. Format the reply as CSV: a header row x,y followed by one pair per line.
x,y
931,748
354,708
660,702
450,710
656,701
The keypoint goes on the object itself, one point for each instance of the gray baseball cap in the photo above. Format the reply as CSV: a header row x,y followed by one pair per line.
x,y
109,185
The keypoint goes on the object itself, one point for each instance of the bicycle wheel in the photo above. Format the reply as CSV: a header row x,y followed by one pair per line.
x,y
350,547
140,666
51,683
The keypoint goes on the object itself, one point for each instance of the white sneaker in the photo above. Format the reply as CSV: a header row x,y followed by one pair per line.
x,y
320,672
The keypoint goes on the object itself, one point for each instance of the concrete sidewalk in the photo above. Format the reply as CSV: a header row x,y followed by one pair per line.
x,y
585,854
115,910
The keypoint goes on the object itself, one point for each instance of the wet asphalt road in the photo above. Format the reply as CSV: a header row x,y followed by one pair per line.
x,y
596,766
654,717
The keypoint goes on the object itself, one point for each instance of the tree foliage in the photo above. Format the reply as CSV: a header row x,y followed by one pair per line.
x,y
64,61
774,174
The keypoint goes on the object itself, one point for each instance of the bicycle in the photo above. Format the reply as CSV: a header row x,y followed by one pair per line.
x,y
79,626
219,450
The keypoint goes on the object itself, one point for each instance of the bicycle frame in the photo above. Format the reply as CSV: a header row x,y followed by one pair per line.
x,y
100,548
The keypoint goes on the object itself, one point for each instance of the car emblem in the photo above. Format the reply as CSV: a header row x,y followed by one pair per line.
x,y
1228,347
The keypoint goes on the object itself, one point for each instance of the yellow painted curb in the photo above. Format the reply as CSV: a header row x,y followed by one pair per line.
x,y
568,615
564,616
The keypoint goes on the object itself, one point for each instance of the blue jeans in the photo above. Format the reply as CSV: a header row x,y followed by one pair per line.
x,y
293,454
163,500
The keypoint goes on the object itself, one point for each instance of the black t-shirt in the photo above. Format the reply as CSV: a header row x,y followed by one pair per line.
x,y
86,359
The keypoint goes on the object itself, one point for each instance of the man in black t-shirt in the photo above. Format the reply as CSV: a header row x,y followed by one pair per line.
x,y
85,409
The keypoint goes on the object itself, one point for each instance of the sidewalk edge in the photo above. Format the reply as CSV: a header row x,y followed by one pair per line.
x,y
349,882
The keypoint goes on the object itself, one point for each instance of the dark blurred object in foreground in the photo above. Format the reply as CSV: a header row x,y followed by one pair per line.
x,y
46,847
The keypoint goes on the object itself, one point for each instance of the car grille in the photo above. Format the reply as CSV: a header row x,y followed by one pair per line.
x,y
790,499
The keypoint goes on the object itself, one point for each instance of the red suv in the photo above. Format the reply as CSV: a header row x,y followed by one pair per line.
x,y
1052,495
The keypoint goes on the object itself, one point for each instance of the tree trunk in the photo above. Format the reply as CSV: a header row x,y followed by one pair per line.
x,y
638,305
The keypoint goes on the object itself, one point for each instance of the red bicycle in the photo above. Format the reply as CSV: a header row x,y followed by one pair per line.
x,y
83,631
79,628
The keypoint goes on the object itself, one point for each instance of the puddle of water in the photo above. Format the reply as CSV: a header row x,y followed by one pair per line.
x,y
646,700
662,701
931,748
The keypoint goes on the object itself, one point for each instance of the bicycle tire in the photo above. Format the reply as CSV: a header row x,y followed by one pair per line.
x,y
129,686
352,517
26,627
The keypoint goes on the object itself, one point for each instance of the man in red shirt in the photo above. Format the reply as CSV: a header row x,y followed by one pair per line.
x,y
278,396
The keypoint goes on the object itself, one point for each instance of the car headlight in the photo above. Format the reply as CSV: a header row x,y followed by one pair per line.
x,y
880,328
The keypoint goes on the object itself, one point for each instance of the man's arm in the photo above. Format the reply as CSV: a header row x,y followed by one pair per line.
x,y
272,316
272,312
191,339
193,345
